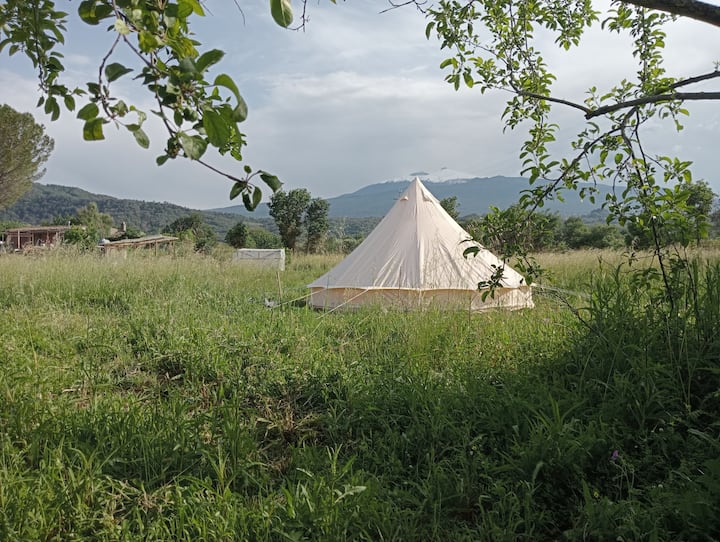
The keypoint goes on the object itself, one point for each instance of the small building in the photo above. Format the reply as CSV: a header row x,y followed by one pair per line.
x,y
150,242
35,236
267,258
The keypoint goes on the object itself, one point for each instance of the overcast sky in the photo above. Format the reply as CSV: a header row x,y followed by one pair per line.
x,y
356,99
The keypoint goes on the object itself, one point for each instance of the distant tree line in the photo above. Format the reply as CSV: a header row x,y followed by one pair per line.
x,y
302,222
514,227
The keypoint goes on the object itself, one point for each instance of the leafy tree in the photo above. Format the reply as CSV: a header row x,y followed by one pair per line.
x,y
238,235
700,202
493,46
316,222
574,232
262,238
97,223
513,229
288,210
24,149
193,228
450,205
690,221
604,236
81,237
198,111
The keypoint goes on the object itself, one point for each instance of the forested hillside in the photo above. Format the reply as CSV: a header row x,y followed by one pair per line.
x,y
44,203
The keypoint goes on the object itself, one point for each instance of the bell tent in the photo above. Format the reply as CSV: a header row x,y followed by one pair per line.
x,y
414,259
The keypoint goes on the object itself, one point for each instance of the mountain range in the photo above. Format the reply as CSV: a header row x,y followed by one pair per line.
x,y
44,203
474,195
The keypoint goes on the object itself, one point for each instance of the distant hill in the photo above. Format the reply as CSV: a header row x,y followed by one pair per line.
x,y
475,197
44,202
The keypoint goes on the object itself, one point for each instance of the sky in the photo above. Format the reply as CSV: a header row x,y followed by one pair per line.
x,y
357,98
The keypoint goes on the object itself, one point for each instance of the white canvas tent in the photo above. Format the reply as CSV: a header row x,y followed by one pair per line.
x,y
413,259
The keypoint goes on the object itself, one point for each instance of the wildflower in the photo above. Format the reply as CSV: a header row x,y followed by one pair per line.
x,y
615,455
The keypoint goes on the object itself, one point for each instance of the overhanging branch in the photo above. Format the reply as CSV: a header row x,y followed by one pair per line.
x,y
656,98
693,9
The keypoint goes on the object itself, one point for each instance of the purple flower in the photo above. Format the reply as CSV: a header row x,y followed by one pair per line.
x,y
615,455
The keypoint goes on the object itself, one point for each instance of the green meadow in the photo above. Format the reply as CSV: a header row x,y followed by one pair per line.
x,y
160,399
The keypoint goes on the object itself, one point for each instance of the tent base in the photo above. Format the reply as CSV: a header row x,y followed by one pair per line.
x,y
407,299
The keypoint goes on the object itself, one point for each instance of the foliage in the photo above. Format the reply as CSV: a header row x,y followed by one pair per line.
x,y
96,222
85,239
700,202
130,232
139,404
450,205
690,223
50,203
9,224
262,238
288,210
514,230
193,228
24,149
90,226
237,236
496,46
317,225
574,233
198,111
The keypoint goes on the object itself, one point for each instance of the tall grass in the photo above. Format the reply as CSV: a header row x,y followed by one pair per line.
x,y
159,399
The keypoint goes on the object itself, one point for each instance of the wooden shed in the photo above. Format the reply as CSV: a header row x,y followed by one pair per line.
x,y
35,236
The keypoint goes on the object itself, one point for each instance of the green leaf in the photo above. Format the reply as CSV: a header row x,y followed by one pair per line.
x,y
88,112
467,76
471,251
256,196
194,5
52,108
194,146
208,59
251,203
69,103
141,137
271,180
93,130
148,41
115,71
240,112
224,80
86,10
160,160
429,29
237,189
281,11
216,128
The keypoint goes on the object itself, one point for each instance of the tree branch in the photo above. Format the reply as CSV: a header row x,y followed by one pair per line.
x,y
693,9
696,79
582,108
656,98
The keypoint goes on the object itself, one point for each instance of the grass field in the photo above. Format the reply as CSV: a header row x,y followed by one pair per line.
x,y
159,399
